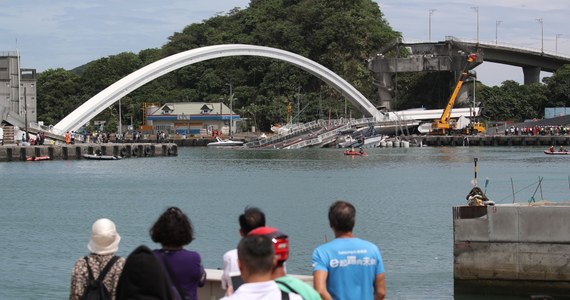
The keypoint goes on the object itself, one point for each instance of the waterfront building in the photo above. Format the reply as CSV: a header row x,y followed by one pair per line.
x,y
18,102
553,112
193,118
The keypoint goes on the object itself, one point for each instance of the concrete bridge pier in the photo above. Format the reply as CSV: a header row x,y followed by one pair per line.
x,y
531,75
384,83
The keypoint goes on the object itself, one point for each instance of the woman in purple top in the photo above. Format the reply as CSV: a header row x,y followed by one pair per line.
x,y
173,230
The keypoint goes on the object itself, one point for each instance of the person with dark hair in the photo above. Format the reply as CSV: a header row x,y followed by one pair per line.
x,y
256,261
143,277
251,218
173,230
347,267
281,251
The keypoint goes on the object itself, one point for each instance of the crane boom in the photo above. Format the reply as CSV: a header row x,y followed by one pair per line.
x,y
443,123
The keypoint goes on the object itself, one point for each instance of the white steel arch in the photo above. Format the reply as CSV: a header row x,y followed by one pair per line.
x,y
131,82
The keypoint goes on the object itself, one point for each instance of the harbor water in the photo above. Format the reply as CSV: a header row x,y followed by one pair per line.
x,y
403,197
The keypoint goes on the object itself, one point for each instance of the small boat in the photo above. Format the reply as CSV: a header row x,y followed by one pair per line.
x,y
346,141
37,158
101,157
355,153
548,152
223,143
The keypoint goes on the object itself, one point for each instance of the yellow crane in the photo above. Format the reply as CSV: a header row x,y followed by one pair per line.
x,y
444,124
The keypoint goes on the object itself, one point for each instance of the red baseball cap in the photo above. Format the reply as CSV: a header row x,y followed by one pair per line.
x,y
280,241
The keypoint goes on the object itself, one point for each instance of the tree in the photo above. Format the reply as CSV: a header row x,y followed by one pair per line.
x,y
558,88
59,93
512,101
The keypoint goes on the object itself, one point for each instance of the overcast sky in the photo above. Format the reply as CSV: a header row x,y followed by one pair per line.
x,y
69,33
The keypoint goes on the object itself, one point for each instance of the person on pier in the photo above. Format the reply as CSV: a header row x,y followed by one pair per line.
x,y
281,249
347,267
173,230
102,246
251,218
256,259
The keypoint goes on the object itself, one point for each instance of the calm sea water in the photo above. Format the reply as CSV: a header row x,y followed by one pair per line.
x,y
403,199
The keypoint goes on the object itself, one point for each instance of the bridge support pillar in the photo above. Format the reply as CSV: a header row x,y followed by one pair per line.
x,y
531,75
384,83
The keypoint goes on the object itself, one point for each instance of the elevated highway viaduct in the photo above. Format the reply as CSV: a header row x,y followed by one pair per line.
x,y
450,56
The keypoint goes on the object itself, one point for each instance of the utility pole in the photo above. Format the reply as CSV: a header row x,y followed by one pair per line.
x,y
476,9
558,35
497,23
19,101
541,34
231,107
120,129
26,114
431,11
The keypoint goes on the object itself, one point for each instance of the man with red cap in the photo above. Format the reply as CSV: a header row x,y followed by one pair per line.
x,y
281,248
256,260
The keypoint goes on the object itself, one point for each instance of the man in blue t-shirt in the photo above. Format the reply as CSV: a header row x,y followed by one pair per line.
x,y
347,267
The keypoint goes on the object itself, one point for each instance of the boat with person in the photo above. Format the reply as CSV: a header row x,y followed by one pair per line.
x,y
561,151
548,152
353,152
224,143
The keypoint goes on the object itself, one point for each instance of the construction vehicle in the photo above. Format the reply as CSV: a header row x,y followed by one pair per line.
x,y
445,124
475,128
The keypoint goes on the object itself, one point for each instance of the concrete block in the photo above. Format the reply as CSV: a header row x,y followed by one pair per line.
x,y
476,229
540,224
503,223
483,260
544,261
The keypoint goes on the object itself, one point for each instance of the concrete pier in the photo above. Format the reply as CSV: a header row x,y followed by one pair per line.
x,y
513,249
76,151
495,140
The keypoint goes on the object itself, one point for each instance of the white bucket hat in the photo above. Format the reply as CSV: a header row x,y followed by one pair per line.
x,y
104,237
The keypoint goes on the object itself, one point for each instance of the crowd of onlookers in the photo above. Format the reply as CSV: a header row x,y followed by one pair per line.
x,y
537,130
346,267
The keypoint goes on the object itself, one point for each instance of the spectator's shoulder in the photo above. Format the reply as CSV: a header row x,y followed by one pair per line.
x,y
230,253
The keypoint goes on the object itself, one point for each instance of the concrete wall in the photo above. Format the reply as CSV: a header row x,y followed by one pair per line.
x,y
514,247
73,152
495,140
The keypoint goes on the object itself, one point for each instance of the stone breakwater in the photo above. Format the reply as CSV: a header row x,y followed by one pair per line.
x,y
76,151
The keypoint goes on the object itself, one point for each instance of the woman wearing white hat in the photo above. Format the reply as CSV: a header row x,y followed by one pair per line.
x,y
102,246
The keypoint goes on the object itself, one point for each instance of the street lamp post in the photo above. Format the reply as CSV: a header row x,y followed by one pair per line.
x,y
431,11
120,130
231,107
541,34
476,9
558,35
497,23
26,114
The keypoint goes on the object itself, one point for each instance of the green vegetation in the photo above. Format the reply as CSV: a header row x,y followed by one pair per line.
x,y
338,34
